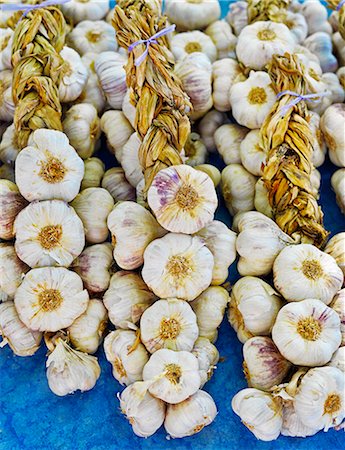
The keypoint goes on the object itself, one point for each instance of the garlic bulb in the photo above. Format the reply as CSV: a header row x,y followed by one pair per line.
x,y
251,100
94,266
338,185
258,243
195,150
183,44
93,36
8,146
303,271
338,359
320,43
331,125
221,35
128,109
319,402
225,73
296,23
117,130
12,269
228,139
209,308
263,365
190,416
238,188
174,376
207,355
86,332
69,370
192,15
6,39
86,203
130,160
77,10
92,93
48,233
127,298
208,125
169,324
253,156
93,173
319,144
339,48
74,75
259,412
6,101
49,168
11,202
111,74
212,171
316,16
50,298
258,42
237,16
127,356
144,412
307,333
82,126
335,248
292,424
178,265
338,305
132,228
220,240
183,199
254,306
22,340
115,182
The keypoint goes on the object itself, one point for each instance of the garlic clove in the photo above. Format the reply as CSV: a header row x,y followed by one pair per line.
x,y
12,269
11,203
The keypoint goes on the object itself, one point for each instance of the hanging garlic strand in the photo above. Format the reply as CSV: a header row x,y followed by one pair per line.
x,y
339,6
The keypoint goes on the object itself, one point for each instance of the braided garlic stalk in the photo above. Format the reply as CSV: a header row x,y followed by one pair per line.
x,y
265,9
338,5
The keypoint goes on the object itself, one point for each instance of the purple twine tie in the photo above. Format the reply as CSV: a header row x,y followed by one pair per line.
x,y
27,8
299,97
341,4
148,42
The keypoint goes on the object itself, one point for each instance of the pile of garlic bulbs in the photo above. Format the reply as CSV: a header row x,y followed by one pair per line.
x,y
88,257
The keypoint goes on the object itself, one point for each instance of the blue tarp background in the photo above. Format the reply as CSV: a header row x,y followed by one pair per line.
x,y
33,418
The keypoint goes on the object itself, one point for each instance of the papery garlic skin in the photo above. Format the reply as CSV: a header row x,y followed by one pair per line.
x,y
320,402
144,412
11,203
6,39
50,298
92,36
93,173
225,72
128,109
335,247
208,125
178,265
22,340
48,233
7,106
8,146
338,305
126,299
253,156
259,412
117,130
338,359
338,185
49,168
316,16
183,199
263,365
228,139
92,93
86,332
133,228
307,333
174,375
207,355
225,42
320,43
130,160
292,424
303,271
92,9
190,416
183,44
192,15
86,203
69,370
212,171
115,182
238,188
112,76
332,122
12,269
74,75
169,324
319,144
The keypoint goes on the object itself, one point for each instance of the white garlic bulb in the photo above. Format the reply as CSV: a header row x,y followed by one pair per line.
x,y
169,324
331,124
212,171
93,173
174,375
11,203
303,271
190,416
74,75
111,74
128,109
259,412
178,265
183,44
12,270
263,365
258,42
338,185
192,15
221,35
48,233
320,43
86,332
92,93
238,188
251,100
320,402
7,106
296,23
69,370
338,305
77,10
6,39
338,46
127,298
130,160
335,248
8,146
117,130
209,308
228,139
338,359
258,243
86,203
316,16
115,182
82,127
93,36
225,73
132,228
144,412
49,168
318,142
237,16
22,340
195,150
94,266
127,356
208,125
253,156
207,355
292,424
183,199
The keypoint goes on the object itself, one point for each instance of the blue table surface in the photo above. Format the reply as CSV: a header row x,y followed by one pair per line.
x,y
32,417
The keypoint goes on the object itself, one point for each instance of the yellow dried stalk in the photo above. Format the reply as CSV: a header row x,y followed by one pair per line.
x,y
37,68
334,4
266,9
156,92
287,141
